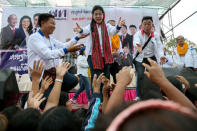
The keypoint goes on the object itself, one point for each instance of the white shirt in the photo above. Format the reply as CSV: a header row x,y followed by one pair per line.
x,y
189,60
82,65
154,47
12,28
35,29
112,30
48,50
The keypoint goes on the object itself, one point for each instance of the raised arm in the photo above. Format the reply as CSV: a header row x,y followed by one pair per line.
x,y
93,109
45,52
46,82
36,73
73,41
105,91
156,75
115,29
123,77
86,30
54,96
137,43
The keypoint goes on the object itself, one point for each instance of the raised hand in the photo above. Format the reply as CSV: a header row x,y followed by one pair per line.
x,y
83,35
154,72
77,28
163,60
121,22
37,70
34,101
62,69
125,76
183,81
97,82
139,48
73,48
46,82
107,86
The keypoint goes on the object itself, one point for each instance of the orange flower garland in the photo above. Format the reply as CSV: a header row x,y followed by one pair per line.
x,y
115,42
182,50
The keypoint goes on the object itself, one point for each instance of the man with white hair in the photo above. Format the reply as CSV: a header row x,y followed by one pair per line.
x,y
185,56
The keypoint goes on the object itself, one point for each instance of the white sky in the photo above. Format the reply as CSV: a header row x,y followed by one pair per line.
x,y
188,28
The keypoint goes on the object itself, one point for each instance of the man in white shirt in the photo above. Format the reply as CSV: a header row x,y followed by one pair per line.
x,y
169,61
153,49
185,56
41,46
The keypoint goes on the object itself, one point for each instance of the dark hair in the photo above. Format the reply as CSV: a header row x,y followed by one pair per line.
x,y
30,25
175,82
152,94
9,17
63,98
9,112
149,89
153,119
93,22
159,119
44,17
57,119
191,94
37,14
111,21
26,120
133,26
79,116
125,26
147,18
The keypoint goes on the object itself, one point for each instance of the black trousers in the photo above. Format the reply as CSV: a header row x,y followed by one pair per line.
x,y
93,71
114,69
140,74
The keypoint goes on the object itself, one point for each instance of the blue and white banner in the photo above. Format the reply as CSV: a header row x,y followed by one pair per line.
x,y
14,60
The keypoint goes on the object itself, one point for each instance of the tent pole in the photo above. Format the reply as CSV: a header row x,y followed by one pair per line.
x,y
170,8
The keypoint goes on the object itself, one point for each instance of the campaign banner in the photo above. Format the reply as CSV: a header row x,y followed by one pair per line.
x,y
14,60
14,35
66,19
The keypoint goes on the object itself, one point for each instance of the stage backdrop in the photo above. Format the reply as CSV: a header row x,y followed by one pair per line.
x,y
66,19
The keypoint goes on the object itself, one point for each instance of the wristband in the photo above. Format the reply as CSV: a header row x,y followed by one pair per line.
x,y
58,80
118,28
76,38
81,31
65,50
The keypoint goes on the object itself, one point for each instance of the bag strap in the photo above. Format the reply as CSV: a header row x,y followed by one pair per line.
x,y
143,47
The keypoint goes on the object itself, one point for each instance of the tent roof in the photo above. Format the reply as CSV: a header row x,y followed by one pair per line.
x,y
162,5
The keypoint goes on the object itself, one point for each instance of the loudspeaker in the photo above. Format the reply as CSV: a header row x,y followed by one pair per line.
x,y
188,73
8,84
8,89
148,85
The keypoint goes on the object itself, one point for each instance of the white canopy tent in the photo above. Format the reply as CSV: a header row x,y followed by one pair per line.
x,y
162,6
